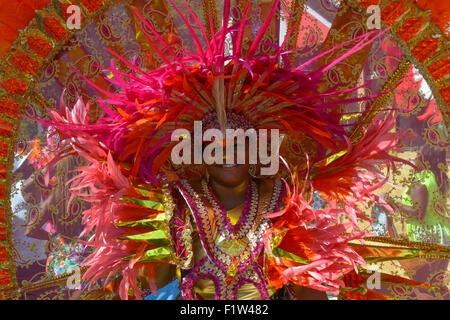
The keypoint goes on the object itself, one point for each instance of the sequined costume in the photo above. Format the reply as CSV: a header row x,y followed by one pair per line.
x,y
230,255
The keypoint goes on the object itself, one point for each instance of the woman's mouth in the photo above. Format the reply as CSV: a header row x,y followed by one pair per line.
x,y
227,166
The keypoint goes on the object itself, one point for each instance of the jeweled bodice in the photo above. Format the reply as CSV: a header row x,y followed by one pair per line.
x,y
231,251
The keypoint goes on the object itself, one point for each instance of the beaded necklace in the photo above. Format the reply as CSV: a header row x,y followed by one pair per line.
x,y
248,215
231,250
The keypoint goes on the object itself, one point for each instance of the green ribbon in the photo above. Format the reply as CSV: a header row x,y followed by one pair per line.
x,y
153,255
155,223
335,156
288,255
145,203
157,237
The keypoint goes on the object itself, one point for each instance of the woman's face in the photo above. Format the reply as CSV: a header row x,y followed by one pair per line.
x,y
230,175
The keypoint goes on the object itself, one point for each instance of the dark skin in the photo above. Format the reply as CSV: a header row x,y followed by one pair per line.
x,y
229,184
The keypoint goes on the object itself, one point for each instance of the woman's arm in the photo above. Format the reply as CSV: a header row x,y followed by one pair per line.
x,y
164,274
304,293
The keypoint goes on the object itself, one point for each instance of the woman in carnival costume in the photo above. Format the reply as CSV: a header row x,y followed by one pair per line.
x,y
233,233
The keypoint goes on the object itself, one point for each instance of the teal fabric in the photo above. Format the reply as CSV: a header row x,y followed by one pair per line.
x,y
169,292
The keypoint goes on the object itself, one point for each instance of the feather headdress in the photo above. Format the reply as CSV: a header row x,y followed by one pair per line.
x,y
128,145
139,119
